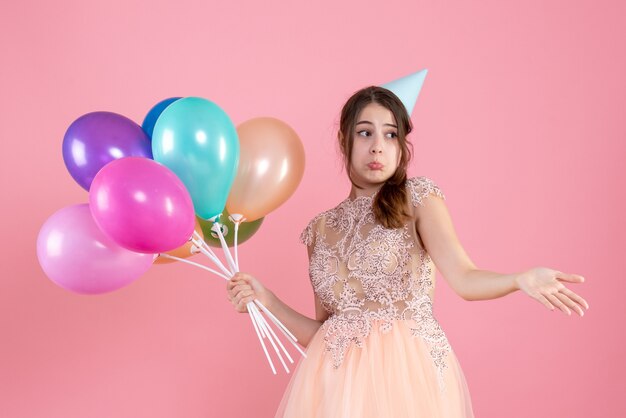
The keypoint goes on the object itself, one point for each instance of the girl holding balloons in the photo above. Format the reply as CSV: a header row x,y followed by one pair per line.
x,y
374,348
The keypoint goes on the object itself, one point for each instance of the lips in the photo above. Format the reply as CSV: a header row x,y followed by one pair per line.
x,y
375,165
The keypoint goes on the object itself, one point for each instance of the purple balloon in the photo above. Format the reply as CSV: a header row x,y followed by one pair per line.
x,y
142,205
97,138
76,255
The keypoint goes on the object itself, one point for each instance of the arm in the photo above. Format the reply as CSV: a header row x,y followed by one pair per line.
x,y
303,327
243,288
435,227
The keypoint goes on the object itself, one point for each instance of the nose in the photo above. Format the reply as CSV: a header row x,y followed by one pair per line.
x,y
377,147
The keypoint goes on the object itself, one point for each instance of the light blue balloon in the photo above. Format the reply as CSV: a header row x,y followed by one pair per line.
x,y
408,88
196,139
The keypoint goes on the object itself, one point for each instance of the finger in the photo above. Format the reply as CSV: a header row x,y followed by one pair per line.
x,y
557,302
237,298
239,288
236,281
234,289
582,302
573,278
241,306
247,300
232,283
243,294
545,302
242,276
570,303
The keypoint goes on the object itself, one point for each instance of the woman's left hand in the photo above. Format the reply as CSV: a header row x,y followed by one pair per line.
x,y
545,285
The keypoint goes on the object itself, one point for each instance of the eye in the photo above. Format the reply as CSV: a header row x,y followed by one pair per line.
x,y
363,133
392,135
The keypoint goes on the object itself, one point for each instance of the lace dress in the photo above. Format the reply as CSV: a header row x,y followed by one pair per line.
x,y
381,352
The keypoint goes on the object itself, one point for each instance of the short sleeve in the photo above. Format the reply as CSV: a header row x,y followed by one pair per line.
x,y
422,187
308,234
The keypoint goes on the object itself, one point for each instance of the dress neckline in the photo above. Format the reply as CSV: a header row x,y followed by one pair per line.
x,y
358,198
362,198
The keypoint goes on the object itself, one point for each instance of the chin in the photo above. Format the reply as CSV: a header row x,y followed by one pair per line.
x,y
381,174
372,178
377,178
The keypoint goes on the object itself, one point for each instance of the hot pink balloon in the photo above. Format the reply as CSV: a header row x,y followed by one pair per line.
x,y
142,205
75,254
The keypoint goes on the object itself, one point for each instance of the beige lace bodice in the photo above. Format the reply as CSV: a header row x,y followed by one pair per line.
x,y
362,271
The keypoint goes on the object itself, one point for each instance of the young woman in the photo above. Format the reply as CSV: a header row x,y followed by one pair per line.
x,y
374,348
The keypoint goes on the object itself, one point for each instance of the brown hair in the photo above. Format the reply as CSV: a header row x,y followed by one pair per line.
x,y
391,200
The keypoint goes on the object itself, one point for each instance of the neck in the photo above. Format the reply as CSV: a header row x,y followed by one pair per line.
x,y
368,191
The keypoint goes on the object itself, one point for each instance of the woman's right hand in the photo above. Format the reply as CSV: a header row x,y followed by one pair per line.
x,y
243,288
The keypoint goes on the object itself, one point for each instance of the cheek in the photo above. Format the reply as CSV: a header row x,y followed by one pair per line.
x,y
396,154
358,150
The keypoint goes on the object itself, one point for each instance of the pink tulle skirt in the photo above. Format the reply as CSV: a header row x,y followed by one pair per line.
x,y
392,375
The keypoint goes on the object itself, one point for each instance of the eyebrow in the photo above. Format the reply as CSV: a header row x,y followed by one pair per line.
x,y
370,123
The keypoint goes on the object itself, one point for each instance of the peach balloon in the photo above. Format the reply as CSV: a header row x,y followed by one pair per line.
x,y
271,165
183,251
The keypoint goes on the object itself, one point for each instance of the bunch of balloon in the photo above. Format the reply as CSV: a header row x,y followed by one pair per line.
x,y
157,191
253,169
137,208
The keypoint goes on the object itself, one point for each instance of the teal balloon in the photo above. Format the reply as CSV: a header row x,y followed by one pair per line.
x,y
408,88
196,139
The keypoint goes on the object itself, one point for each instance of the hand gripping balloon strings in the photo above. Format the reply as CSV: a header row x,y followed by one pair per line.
x,y
256,321
237,219
261,326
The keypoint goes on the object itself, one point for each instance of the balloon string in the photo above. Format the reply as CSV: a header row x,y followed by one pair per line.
x,y
200,239
214,259
261,326
258,334
202,246
275,320
229,258
264,326
236,252
193,264
254,307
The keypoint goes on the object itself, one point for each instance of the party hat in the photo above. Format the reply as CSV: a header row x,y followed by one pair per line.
x,y
408,88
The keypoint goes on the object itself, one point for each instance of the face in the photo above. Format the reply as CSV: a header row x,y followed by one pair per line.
x,y
375,150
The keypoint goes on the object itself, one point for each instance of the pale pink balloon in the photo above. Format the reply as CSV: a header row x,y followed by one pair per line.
x,y
76,255
142,205
271,165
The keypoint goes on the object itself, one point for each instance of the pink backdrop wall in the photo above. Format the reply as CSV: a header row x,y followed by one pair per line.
x,y
521,122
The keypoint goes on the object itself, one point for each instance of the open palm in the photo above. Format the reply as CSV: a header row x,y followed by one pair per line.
x,y
546,286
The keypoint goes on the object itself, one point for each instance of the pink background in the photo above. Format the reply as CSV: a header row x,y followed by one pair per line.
x,y
521,123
